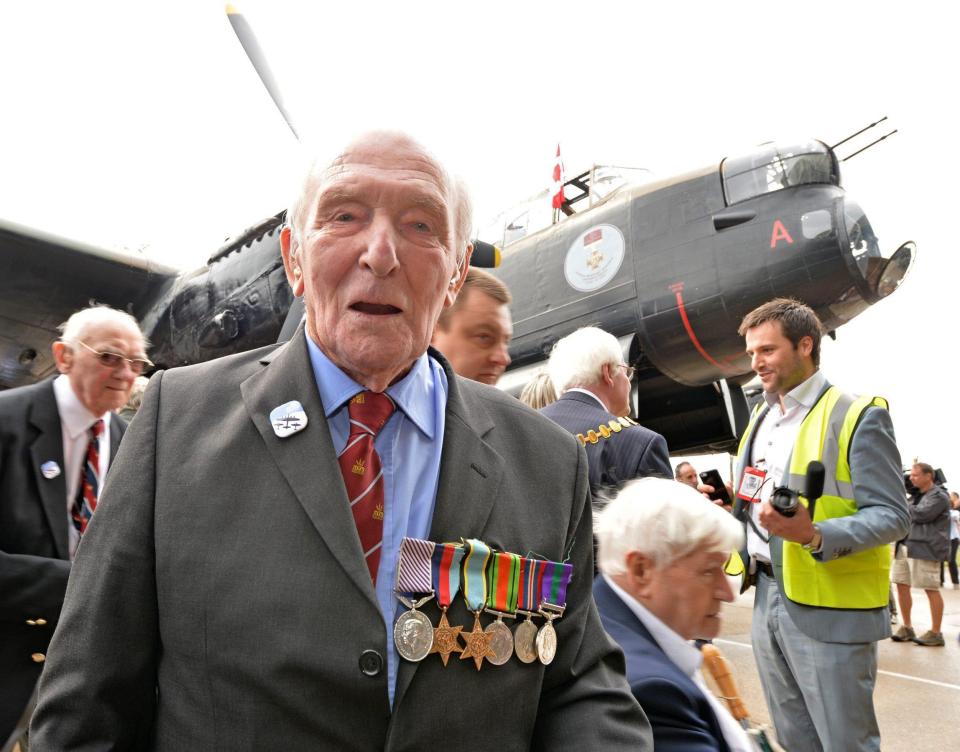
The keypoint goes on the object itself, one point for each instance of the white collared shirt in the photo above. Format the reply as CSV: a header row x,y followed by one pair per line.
x,y
688,659
75,422
589,394
772,446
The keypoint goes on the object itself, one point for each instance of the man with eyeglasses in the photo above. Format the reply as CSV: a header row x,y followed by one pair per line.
x,y
588,371
57,440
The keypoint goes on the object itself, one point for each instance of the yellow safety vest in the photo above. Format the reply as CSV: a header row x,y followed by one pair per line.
x,y
857,581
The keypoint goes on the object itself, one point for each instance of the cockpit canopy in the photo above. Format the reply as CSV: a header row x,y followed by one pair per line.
x,y
773,167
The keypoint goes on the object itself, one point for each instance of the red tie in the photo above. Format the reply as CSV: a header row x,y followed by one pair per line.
x,y
362,475
86,501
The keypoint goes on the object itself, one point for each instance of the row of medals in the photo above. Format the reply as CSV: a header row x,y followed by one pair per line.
x,y
416,637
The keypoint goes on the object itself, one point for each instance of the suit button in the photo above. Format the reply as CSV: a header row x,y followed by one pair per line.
x,y
371,662
38,657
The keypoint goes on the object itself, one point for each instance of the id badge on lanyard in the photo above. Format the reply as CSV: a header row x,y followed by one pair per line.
x,y
750,484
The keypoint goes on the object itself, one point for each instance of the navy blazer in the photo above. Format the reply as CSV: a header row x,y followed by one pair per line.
x,y
634,452
34,553
679,712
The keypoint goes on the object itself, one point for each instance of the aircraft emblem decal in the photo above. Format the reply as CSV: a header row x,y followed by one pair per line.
x,y
594,258
779,233
288,418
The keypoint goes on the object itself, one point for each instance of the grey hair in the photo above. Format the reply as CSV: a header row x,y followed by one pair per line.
x,y
456,190
79,325
665,520
578,358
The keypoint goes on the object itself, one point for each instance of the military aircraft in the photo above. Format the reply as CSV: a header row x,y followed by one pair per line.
x,y
670,267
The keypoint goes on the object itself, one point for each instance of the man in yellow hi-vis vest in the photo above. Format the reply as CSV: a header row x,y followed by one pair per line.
x,y
822,581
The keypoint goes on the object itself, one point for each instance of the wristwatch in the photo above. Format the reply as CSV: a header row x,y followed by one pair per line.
x,y
814,543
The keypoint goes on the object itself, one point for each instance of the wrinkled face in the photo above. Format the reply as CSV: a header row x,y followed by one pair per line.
x,y
688,475
700,579
375,262
477,339
779,364
98,387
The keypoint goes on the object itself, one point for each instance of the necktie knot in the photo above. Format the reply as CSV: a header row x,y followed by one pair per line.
x,y
369,412
96,429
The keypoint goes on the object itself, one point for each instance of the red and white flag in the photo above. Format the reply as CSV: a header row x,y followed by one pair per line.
x,y
558,180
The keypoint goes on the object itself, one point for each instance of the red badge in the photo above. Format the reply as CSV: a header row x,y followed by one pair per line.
x,y
750,484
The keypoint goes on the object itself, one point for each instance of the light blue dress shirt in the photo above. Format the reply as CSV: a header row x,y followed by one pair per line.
x,y
409,446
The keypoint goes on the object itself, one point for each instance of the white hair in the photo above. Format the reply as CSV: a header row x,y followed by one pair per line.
x,y
80,324
578,358
456,190
665,520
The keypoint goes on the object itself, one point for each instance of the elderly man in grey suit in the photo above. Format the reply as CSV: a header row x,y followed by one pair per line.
x,y
821,577
230,597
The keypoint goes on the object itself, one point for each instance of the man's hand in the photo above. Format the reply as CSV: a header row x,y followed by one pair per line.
x,y
798,528
706,489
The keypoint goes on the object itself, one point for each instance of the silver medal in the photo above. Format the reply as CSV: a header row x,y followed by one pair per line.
x,y
501,642
413,635
525,641
547,643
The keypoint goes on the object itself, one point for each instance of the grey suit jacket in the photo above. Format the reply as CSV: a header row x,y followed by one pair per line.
x,y
221,600
34,549
881,518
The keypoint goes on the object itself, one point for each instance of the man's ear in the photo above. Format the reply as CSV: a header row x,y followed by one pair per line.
x,y
62,356
607,373
291,263
805,346
640,572
456,281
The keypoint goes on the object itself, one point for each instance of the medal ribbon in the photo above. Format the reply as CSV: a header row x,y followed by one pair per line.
x,y
555,583
445,566
531,583
474,582
503,582
413,568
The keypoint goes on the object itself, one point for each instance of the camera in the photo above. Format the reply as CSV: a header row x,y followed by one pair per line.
x,y
786,500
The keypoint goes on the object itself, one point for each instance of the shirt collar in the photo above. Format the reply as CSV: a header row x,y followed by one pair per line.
x,y
74,417
680,651
804,393
589,394
413,393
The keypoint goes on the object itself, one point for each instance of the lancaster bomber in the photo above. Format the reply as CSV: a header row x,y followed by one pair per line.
x,y
669,266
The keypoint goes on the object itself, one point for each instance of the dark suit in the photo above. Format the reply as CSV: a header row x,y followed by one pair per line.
x,y
680,715
34,549
238,612
634,452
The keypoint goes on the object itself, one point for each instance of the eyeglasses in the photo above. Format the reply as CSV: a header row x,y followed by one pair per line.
x,y
114,360
629,369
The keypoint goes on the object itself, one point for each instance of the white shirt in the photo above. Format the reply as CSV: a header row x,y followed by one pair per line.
x,y
688,659
954,524
772,446
75,422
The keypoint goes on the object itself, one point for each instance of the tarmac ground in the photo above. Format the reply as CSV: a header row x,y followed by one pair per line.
x,y
917,696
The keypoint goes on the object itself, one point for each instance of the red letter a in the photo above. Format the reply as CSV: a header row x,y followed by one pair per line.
x,y
779,233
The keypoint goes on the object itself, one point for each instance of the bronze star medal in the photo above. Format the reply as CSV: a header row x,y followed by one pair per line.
x,y
478,643
446,639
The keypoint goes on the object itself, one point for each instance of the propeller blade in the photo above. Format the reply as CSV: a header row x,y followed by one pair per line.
x,y
252,47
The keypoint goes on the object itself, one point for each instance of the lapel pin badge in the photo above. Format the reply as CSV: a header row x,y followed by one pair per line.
x,y
288,418
50,469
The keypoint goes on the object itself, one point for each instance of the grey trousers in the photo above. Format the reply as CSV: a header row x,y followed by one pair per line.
x,y
820,694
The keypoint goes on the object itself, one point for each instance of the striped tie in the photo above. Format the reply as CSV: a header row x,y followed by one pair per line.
x,y
86,501
362,474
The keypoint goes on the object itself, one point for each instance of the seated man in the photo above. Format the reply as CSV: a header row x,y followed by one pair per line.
x,y
662,547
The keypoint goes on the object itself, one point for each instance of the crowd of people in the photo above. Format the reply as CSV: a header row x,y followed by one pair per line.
x,y
259,563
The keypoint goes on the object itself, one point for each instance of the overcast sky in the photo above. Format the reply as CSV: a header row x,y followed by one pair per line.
x,y
137,125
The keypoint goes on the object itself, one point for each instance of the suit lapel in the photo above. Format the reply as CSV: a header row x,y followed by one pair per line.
x,y
471,472
47,446
307,459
